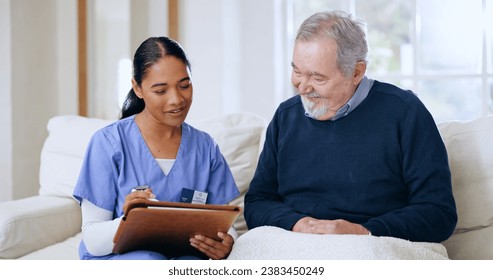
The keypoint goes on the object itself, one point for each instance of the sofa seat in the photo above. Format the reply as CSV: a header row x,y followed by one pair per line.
x,y
65,250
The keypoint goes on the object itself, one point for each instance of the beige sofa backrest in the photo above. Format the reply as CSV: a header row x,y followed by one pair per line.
x,y
470,150
240,138
63,153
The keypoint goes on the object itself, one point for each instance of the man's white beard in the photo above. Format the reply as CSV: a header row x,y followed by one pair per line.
x,y
310,109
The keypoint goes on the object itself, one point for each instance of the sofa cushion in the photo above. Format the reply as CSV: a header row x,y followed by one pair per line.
x,y
471,245
35,222
63,153
239,137
471,160
65,250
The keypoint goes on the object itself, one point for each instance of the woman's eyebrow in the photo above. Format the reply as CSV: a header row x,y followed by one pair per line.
x,y
159,84
165,84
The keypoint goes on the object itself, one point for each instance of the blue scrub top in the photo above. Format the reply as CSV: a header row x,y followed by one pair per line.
x,y
118,159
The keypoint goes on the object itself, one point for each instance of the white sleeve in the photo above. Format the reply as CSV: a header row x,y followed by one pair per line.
x,y
98,228
232,231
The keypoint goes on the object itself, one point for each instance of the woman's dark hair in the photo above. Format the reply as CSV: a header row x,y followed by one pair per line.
x,y
146,55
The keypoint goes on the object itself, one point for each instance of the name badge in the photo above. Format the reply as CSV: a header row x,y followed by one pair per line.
x,y
193,196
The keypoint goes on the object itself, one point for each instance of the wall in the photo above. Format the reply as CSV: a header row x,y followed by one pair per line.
x,y
236,55
34,87
116,29
6,98
148,19
38,55
67,61
235,47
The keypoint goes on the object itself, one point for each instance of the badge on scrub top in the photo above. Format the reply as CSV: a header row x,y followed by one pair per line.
x,y
193,196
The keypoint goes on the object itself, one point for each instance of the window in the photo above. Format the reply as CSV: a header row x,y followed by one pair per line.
x,y
110,70
115,28
443,51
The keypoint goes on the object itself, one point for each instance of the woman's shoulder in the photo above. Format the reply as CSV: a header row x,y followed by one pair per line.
x,y
199,135
115,130
196,132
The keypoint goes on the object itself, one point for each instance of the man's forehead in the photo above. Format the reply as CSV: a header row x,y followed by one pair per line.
x,y
314,57
316,47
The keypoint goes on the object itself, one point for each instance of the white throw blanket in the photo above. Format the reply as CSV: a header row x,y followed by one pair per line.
x,y
272,243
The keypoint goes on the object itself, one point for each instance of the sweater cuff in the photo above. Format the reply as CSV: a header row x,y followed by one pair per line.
x,y
288,222
376,228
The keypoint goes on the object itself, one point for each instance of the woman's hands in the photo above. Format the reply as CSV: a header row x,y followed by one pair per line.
x,y
146,193
213,249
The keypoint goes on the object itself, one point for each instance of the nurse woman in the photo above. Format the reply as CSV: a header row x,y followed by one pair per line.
x,y
151,145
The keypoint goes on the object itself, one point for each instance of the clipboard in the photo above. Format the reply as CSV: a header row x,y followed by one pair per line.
x,y
167,227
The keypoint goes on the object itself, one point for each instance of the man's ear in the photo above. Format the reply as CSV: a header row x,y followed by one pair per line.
x,y
136,89
359,72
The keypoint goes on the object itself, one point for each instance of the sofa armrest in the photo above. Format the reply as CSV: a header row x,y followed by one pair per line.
x,y
35,222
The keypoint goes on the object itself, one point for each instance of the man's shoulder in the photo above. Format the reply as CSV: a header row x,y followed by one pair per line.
x,y
394,92
401,100
291,103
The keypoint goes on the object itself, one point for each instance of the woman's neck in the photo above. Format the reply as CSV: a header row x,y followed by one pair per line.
x,y
162,140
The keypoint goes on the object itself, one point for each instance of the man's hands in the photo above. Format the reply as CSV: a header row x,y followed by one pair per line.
x,y
215,250
311,225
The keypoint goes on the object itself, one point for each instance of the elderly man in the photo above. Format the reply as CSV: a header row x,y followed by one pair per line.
x,y
350,155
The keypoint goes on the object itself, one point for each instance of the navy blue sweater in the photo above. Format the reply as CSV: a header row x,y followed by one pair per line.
x,y
383,166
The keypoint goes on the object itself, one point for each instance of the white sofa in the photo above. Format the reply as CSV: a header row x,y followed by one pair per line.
x,y
47,226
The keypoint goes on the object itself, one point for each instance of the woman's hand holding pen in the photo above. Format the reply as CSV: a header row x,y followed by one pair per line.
x,y
139,192
215,250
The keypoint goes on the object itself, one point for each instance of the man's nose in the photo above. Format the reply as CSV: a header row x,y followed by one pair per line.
x,y
304,86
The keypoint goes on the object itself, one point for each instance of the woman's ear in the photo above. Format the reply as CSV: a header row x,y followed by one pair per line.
x,y
359,72
137,89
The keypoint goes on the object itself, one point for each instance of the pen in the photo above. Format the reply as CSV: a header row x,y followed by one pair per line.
x,y
140,188
143,188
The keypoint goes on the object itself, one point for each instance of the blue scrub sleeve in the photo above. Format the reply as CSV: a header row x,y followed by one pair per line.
x,y
221,180
97,180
